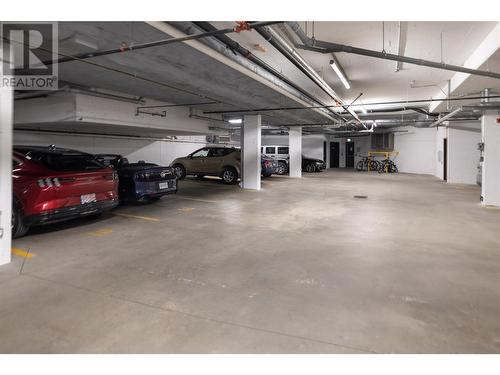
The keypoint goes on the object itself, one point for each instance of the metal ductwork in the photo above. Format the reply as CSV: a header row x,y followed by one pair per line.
x,y
329,47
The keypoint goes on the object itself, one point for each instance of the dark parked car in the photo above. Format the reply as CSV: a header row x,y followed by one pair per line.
x,y
141,182
269,166
312,165
53,184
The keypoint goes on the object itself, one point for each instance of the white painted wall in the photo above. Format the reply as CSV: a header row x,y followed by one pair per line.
x,y
420,150
417,150
312,146
159,152
463,154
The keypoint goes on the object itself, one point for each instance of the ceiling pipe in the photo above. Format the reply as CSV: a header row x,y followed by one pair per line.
x,y
156,43
237,48
397,102
79,90
291,54
329,47
219,51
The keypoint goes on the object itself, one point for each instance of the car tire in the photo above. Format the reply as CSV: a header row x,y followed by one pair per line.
x,y
282,168
180,171
229,176
310,168
19,229
266,175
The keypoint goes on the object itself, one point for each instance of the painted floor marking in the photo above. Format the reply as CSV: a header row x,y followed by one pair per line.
x,y
186,209
196,199
101,232
148,218
22,253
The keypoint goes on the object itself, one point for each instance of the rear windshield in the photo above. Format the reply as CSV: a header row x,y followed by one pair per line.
x,y
66,162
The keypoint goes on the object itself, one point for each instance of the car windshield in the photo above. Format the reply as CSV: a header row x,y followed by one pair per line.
x,y
65,161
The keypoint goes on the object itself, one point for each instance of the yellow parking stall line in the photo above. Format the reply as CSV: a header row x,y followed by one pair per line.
x,y
148,218
196,199
186,209
21,253
101,232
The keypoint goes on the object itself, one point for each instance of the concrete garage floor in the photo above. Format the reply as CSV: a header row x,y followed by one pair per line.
x,y
301,266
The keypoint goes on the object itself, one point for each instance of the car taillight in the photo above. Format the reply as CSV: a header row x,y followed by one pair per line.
x,y
143,175
48,182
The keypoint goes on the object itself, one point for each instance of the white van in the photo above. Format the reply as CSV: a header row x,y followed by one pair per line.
x,y
279,153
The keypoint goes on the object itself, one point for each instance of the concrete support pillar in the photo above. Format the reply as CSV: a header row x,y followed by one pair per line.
x,y
295,151
250,152
490,133
6,108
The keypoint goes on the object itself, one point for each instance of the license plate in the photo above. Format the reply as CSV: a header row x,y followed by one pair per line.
x,y
163,185
87,198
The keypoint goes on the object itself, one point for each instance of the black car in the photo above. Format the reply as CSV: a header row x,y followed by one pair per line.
x,y
312,165
141,181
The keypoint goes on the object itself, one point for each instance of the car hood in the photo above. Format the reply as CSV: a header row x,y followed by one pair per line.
x,y
313,159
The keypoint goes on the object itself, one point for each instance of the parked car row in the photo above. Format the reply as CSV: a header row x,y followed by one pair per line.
x,y
223,162
281,155
52,184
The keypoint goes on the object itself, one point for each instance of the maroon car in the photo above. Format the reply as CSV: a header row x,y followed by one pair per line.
x,y
54,184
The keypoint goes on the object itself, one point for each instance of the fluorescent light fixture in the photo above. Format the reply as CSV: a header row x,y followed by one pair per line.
x,y
337,69
235,121
348,139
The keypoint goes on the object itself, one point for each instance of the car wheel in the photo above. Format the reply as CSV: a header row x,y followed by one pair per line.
x,y
266,175
282,168
229,176
180,171
310,168
19,229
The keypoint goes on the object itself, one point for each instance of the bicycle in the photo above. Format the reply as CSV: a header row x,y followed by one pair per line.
x,y
366,162
387,165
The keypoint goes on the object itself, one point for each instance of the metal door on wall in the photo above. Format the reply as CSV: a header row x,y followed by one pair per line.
x,y
334,154
349,155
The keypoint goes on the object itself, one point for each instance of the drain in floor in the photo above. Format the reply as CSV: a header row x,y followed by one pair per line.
x,y
361,196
